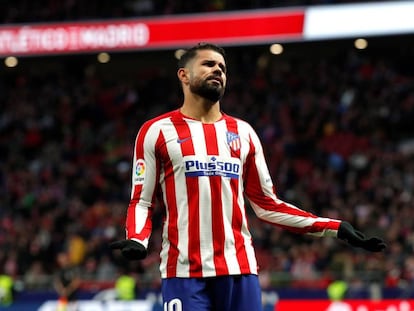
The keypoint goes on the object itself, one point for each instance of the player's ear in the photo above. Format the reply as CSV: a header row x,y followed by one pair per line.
x,y
182,75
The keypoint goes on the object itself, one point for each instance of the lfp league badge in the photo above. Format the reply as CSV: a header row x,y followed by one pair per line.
x,y
139,175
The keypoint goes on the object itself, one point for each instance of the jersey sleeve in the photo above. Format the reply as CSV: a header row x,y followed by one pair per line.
x,y
144,176
261,194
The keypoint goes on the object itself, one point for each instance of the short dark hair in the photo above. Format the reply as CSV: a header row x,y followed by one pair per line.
x,y
192,52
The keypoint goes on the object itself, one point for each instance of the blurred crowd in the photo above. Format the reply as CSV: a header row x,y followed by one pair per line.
x,y
337,132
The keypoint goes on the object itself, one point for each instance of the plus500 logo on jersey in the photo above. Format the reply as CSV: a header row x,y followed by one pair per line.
x,y
211,166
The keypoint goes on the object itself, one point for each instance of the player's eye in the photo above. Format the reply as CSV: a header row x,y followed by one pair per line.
x,y
209,63
213,63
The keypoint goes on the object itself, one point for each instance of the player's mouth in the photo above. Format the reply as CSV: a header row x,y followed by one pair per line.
x,y
217,79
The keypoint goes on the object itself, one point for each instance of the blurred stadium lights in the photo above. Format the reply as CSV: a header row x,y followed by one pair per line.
x,y
178,53
276,49
361,44
11,61
103,58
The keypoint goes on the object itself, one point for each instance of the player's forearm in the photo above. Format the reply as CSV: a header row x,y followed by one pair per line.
x,y
291,218
139,223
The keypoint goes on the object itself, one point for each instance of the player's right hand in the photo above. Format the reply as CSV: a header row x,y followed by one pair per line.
x,y
130,249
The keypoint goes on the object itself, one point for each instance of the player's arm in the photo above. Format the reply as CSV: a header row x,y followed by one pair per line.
x,y
144,186
260,191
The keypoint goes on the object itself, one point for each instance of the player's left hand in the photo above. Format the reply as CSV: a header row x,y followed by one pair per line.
x,y
357,239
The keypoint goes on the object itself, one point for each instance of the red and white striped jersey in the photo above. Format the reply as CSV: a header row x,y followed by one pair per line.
x,y
202,172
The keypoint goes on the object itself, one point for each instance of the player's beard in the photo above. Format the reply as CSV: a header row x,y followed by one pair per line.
x,y
210,91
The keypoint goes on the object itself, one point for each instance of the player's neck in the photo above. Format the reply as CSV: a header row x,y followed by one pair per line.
x,y
201,110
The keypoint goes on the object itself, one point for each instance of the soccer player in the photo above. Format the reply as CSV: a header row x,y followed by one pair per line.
x,y
201,163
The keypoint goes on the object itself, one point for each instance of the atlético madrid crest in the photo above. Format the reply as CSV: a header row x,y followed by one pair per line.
x,y
233,140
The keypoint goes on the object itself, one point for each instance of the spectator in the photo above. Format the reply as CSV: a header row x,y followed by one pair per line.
x,y
67,283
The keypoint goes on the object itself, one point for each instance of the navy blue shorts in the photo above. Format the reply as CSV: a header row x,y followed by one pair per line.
x,y
223,293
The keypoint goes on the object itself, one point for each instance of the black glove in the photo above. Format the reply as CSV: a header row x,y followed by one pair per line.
x,y
130,249
357,239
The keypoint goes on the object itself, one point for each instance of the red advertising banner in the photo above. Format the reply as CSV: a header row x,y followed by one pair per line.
x,y
236,28
225,28
347,305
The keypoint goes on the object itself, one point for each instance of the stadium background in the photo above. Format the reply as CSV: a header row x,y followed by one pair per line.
x,y
336,123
